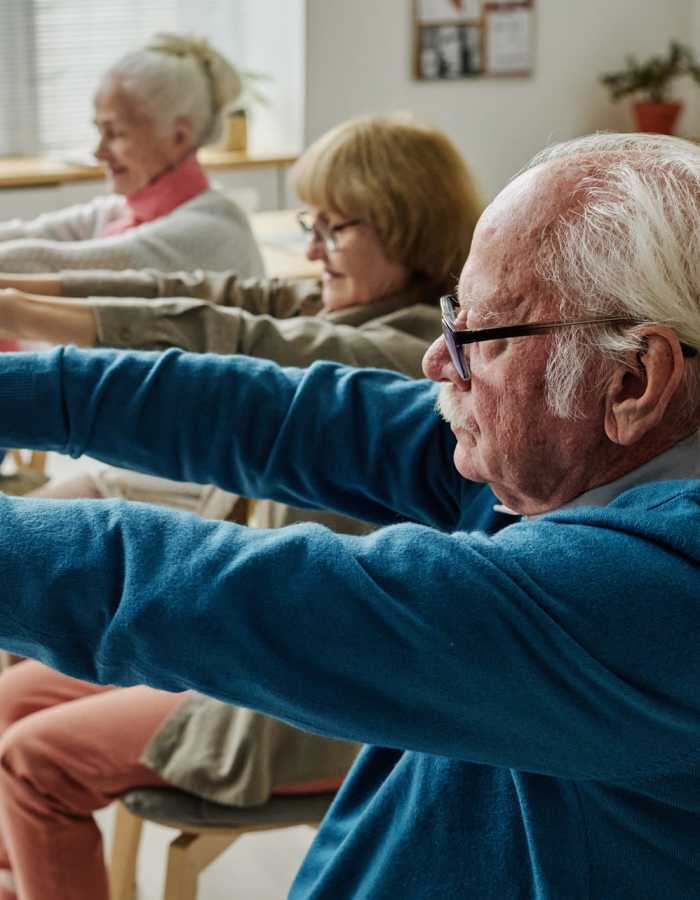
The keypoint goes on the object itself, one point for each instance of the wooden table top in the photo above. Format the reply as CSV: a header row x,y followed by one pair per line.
x,y
26,171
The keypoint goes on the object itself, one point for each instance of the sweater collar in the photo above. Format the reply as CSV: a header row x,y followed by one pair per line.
x,y
416,291
161,196
168,191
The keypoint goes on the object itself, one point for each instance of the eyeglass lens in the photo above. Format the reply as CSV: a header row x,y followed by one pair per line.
x,y
457,355
318,231
450,307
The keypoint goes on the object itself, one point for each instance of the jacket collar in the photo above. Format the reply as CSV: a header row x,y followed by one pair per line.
x,y
417,291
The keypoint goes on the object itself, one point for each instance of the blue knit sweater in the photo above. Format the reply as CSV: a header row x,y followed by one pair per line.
x,y
532,694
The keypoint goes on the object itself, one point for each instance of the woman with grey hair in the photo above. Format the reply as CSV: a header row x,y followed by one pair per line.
x,y
153,109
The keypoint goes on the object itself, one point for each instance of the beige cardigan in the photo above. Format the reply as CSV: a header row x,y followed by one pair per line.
x,y
228,754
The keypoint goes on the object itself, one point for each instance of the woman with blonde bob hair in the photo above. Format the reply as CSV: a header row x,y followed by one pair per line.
x,y
390,211
407,180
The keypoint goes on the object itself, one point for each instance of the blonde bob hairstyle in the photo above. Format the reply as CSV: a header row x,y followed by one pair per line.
x,y
407,180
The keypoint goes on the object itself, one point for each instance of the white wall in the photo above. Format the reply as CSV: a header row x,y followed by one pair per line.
x,y
265,36
692,91
359,61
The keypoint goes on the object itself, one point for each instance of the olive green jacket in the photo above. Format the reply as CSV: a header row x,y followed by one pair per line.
x,y
228,754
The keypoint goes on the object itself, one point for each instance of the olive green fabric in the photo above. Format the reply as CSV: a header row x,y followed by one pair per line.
x,y
238,756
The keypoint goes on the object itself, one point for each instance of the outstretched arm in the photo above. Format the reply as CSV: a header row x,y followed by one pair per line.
x,y
323,437
35,317
203,327
460,645
278,297
32,309
48,285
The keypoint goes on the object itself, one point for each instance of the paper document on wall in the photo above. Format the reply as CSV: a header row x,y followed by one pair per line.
x,y
508,41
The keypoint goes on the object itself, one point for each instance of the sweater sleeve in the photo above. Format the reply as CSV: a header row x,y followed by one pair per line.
x,y
296,341
272,296
74,223
458,645
244,424
205,231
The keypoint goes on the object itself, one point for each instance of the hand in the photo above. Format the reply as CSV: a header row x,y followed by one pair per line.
x,y
26,316
47,285
11,303
9,280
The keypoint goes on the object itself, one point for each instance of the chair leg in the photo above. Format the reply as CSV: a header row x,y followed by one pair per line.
x,y
37,461
189,854
125,849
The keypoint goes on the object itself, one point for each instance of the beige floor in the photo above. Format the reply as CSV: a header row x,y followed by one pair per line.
x,y
258,867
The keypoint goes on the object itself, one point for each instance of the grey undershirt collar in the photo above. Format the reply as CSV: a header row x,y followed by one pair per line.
x,y
679,462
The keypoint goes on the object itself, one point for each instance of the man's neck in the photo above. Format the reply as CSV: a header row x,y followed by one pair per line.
x,y
680,461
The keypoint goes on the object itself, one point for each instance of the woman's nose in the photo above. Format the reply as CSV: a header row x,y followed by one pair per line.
x,y
100,151
315,249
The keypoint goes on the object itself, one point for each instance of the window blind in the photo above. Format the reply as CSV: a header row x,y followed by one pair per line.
x,y
17,129
53,54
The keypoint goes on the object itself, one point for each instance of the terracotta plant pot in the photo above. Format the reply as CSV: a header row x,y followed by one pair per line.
x,y
659,118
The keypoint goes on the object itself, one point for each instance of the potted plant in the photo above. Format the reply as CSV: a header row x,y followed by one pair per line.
x,y
235,136
650,80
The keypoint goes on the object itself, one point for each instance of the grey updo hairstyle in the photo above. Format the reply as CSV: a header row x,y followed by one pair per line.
x,y
176,75
628,246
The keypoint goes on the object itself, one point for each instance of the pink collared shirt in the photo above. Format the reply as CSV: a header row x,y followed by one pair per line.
x,y
164,194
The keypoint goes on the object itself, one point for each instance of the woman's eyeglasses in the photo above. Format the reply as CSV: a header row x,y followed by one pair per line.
x,y
318,230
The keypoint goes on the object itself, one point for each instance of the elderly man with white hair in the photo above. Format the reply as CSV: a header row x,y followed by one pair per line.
x,y
519,645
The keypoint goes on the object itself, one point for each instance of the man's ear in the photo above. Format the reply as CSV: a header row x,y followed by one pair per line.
x,y
638,396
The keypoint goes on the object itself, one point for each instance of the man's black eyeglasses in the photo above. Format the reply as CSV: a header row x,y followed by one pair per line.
x,y
458,337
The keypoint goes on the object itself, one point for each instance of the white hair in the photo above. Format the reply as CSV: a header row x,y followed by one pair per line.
x,y
176,75
628,245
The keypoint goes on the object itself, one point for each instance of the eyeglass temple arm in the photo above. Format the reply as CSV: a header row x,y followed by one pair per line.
x,y
481,334
505,331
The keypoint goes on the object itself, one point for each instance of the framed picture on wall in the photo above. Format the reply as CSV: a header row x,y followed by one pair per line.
x,y
469,38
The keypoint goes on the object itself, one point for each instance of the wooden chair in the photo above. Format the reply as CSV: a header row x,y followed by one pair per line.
x,y
206,830
30,472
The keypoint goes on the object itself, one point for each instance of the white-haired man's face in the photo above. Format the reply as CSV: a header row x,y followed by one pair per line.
x,y
506,435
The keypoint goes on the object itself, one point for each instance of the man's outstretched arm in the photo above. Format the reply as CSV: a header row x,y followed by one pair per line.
x,y
366,443
460,645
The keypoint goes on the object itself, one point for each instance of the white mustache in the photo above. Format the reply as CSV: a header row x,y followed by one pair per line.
x,y
449,407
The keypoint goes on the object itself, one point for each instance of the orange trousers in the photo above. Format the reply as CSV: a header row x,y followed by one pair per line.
x,y
67,748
